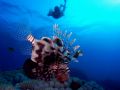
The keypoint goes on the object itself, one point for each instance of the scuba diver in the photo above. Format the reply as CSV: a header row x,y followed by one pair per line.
x,y
58,11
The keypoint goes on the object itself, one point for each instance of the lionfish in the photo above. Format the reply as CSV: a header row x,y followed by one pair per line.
x,y
50,57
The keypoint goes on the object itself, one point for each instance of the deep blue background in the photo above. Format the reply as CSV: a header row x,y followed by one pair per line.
x,y
96,23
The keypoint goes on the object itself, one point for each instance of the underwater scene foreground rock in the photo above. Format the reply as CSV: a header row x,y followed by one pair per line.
x,y
17,80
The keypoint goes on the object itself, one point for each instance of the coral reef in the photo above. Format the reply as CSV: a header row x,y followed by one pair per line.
x,y
90,86
12,77
17,80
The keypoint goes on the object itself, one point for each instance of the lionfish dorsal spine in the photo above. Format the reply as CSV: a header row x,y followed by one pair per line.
x,y
30,38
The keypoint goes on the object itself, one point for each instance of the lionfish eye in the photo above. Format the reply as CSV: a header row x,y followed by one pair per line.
x,y
59,42
47,40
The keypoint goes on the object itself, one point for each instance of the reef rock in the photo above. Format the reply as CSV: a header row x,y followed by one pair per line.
x,y
17,80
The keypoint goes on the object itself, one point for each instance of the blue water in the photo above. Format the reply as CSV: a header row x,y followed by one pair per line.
x,y
96,23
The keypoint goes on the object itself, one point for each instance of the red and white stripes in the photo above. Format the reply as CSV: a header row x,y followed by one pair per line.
x,y
30,38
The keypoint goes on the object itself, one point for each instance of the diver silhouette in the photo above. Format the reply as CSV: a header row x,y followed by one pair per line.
x,y
58,11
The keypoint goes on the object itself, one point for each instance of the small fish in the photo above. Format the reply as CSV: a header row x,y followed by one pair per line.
x,y
11,49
